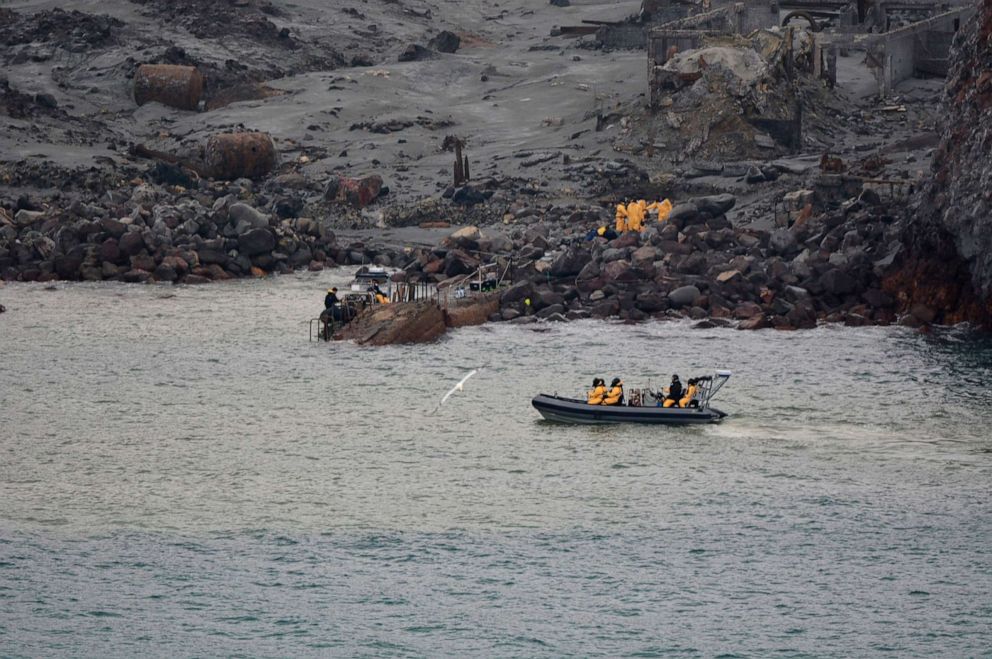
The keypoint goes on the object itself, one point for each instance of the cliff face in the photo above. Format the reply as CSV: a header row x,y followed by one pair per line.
x,y
950,237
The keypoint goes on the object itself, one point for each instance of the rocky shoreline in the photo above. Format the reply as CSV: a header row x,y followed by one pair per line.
x,y
761,236
831,266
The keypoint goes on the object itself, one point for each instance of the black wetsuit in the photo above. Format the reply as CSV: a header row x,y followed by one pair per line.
x,y
675,391
330,300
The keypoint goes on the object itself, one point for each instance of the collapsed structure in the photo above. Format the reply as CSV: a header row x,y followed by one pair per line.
x,y
900,38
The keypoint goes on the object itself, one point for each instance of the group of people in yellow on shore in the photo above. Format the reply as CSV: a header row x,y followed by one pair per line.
x,y
631,216
674,394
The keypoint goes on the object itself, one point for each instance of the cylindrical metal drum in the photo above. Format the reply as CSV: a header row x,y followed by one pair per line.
x,y
240,155
170,84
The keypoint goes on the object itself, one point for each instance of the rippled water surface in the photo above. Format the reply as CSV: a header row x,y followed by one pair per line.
x,y
182,473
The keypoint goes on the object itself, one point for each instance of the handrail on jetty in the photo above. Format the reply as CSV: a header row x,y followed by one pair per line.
x,y
487,277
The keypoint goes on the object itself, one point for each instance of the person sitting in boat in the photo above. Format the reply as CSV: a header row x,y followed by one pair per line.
x,y
595,397
689,398
674,393
380,297
331,298
615,396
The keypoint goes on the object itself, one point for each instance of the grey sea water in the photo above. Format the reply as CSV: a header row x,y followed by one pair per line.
x,y
183,474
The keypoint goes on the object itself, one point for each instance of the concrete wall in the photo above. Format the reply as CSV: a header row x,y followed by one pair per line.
x,y
922,47
627,36
900,59
918,47
933,58
759,14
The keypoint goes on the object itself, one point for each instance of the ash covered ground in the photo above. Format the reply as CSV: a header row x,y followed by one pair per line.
x,y
557,130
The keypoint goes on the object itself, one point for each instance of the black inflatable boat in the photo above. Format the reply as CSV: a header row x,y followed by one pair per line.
x,y
574,410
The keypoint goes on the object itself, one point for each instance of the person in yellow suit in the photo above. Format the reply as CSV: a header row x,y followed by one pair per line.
x,y
595,397
621,218
690,393
664,209
615,397
380,297
674,393
635,215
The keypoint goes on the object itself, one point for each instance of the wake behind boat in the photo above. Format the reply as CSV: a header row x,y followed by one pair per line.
x,y
643,406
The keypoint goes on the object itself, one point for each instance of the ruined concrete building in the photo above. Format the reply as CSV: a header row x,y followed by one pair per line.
x,y
901,38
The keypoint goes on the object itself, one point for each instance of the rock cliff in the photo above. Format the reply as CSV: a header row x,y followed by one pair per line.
x,y
949,268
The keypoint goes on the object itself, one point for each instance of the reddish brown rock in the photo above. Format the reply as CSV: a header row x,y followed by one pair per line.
x,y
400,322
753,323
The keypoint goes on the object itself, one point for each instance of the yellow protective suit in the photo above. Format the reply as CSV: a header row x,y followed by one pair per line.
x,y
621,218
690,392
613,398
635,215
381,299
596,395
664,209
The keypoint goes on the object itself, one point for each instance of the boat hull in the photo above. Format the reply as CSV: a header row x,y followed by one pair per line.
x,y
571,410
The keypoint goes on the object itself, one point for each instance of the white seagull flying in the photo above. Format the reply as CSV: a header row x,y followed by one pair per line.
x,y
458,387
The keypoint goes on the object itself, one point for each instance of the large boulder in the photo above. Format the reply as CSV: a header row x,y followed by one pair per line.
x,y
683,214
683,296
651,302
517,293
357,192
783,242
570,263
715,205
109,251
837,282
256,241
131,243
474,310
615,271
400,322
445,42
67,266
469,195
251,217
115,228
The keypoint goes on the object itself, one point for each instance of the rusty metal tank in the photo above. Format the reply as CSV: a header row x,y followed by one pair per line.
x,y
239,155
170,84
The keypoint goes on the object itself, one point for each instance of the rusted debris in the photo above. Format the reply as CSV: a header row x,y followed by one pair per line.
x,y
239,155
358,192
462,174
226,156
832,164
579,29
177,86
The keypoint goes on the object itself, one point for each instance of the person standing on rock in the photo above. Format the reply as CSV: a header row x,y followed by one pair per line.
x,y
621,218
664,209
635,215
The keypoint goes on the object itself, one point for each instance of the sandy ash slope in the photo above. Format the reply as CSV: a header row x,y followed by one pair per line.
x,y
556,129
501,91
